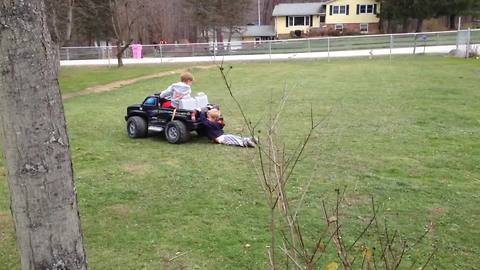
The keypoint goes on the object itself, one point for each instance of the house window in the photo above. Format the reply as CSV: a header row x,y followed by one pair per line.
x,y
339,27
322,19
370,9
363,9
364,28
366,9
323,9
299,21
340,9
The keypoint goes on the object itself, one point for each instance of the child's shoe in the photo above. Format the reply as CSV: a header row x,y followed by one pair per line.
x,y
249,142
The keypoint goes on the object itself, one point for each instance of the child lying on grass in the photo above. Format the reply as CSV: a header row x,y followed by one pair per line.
x,y
214,131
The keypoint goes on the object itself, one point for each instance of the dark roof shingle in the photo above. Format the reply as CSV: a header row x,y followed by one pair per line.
x,y
298,9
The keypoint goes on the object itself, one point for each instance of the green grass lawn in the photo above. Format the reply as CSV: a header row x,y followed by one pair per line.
x,y
406,132
73,78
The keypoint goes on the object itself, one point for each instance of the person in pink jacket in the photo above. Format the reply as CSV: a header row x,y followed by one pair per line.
x,y
136,50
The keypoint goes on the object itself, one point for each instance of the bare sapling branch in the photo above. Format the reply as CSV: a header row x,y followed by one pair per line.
x,y
292,245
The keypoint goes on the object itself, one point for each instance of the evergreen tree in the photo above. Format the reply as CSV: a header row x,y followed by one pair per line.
x,y
401,11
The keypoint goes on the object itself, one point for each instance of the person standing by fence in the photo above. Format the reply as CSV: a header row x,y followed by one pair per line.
x,y
137,50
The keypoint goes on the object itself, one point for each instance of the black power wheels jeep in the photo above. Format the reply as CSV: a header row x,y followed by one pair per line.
x,y
150,117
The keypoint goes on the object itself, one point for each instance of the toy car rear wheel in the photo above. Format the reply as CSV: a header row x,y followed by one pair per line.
x,y
176,132
136,127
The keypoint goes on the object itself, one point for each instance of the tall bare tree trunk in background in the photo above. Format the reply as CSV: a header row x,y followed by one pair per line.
x,y
54,28
266,12
60,20
405,25
69,24
419,25
36,146
122,24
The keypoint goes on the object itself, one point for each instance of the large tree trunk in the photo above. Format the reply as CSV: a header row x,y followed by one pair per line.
x,y
219,37
380,25
120,50
419,26
405,24
389,26
119,54
452,20
229,39
35,142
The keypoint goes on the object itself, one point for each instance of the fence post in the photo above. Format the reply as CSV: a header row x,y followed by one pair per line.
x,y
458,39
215,44
108,54
328,48
193,49
414,43
161,53
467,49
68,55
391,46
309,46
438,39
270,50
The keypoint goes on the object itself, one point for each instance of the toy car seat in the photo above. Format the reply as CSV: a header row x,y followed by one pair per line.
x,y
165,103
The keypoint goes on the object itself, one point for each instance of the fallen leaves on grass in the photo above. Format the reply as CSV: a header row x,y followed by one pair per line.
x,y
332,266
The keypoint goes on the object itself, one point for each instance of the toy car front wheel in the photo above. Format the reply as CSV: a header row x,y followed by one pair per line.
x,y
136,127
176,132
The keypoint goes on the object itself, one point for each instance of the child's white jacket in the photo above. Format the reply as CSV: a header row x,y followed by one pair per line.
x,y
175,92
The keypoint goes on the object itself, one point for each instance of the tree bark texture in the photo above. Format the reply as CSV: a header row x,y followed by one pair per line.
x,y
35,142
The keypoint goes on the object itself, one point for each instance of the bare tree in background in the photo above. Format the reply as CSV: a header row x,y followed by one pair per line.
x,y
266,13
203,13
217,15
233,16
36,145
124,14
92,22
78,21
60,20
145,29
88,22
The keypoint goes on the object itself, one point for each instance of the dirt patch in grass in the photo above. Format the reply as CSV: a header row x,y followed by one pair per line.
x,y
437,212
357,200
135,168
6,223
121,210
115,85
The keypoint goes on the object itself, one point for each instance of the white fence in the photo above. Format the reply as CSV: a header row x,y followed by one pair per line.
x,y
329,46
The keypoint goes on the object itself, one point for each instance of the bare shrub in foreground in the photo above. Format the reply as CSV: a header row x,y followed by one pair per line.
x,y
376,247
